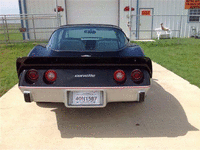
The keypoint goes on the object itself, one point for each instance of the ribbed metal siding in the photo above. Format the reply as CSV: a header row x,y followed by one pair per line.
x,y
171,13
165,7
43,7
161,7
92,11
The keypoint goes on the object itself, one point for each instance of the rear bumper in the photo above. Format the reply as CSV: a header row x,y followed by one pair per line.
x,y
59,94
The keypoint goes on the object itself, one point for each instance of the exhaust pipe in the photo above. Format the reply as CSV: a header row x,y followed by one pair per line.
x,y
27,96
141,97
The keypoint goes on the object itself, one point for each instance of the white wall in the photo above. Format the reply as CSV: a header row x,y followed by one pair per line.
x,y
92,11
45,7
161,7
124,18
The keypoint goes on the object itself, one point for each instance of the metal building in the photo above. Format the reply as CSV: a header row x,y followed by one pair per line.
x,y
138,18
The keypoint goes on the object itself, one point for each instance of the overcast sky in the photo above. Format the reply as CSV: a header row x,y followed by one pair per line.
x,y
9,7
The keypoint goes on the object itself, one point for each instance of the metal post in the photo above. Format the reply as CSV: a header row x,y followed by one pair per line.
x,y
137,20
66,12
152,24
57,13
185,30
173,28
180,27
21,19
189,31
60,19
130,17
118,12
177,30
34,28
26,19
4,31
7,28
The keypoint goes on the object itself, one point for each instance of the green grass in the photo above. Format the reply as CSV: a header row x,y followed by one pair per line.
x,y
13,33
8,56
181,56
12,37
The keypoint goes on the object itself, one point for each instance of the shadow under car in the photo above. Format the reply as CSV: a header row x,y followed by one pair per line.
x,y
161,115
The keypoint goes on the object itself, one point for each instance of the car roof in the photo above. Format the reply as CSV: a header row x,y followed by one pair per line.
x,y
91,25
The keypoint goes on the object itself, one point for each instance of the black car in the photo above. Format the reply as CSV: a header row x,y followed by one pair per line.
x,y
85,65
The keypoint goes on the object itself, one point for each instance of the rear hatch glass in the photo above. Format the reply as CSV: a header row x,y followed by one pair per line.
x,y
88,39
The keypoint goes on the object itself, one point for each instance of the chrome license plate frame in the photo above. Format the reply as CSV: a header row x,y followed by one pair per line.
x,y
86,98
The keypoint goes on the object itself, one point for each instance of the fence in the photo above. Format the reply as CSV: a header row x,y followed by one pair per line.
x,y
18,28
179,25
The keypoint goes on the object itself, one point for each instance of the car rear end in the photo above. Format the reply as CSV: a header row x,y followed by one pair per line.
x,y
84,82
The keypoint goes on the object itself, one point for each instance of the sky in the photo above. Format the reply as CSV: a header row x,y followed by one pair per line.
x,y
9,7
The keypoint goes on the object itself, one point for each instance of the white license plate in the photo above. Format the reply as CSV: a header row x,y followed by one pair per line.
x,y
86,98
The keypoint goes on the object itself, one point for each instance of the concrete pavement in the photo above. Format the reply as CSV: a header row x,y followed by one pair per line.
x,y
168,119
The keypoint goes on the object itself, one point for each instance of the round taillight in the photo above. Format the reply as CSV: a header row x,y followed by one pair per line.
x,y
50,76
137,75
119,76
32,75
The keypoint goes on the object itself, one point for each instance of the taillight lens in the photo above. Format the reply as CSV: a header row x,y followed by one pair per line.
x,y
137,75
32,75
50,76
119,76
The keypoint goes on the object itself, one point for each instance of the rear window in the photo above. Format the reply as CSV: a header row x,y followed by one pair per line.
x,y
87,39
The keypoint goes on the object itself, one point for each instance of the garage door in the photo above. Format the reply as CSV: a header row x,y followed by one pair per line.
x,y
92,11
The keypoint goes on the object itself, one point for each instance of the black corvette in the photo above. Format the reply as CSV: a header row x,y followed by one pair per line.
x,y
85,65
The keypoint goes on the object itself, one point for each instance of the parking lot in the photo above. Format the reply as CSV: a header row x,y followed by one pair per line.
x,y
168,119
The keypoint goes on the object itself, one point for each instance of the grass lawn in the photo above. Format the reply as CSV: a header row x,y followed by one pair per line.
x,y
16,36
181,56
8,56
13,33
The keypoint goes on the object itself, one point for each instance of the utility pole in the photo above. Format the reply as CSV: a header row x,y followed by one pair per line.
x,y
57,13
130,18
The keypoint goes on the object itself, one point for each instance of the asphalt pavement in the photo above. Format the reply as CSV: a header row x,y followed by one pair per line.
x,y
168,119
